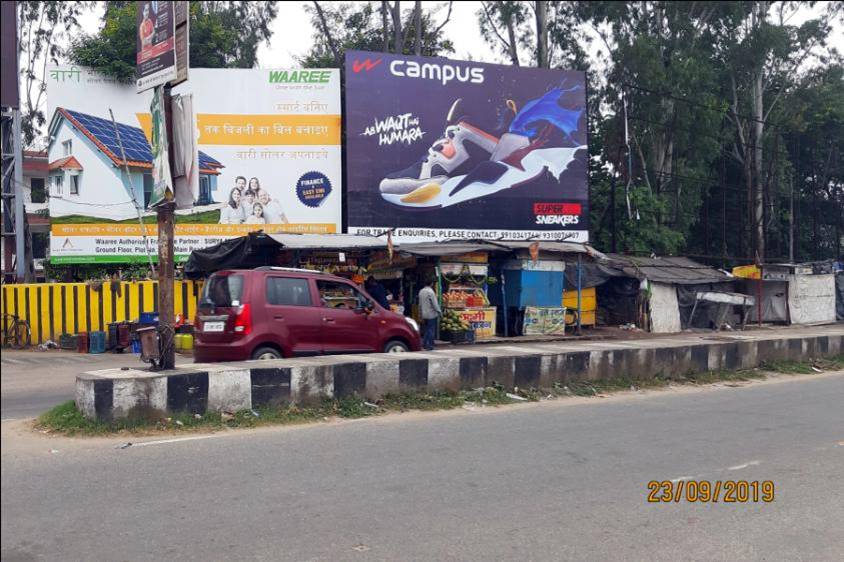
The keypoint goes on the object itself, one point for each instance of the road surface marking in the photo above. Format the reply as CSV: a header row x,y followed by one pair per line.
x,y
675,480
741,466
176,440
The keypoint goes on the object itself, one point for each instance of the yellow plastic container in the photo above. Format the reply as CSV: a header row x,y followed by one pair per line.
x,y
187,342
178,340
588,305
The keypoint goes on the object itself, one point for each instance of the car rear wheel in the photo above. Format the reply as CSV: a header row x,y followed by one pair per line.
x,y
396,346
266,353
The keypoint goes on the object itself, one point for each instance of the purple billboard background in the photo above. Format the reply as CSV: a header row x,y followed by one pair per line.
x,y
530,183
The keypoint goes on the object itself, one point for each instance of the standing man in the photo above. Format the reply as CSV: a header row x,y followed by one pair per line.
x,y
430,310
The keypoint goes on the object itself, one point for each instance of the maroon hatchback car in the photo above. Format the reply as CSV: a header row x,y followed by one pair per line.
x,y
273,312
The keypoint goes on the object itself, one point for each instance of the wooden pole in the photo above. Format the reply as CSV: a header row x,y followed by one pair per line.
x,y
166,261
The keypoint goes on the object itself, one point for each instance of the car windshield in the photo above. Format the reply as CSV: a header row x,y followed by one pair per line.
x,y
223,290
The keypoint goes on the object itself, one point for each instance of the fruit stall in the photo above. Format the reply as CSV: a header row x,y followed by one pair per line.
x,y
464,282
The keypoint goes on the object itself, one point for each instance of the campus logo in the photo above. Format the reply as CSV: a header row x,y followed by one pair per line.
x,y
300,76
443,73
562,214
367,65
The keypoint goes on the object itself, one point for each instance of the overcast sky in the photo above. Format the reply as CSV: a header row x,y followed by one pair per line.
x,y
292,32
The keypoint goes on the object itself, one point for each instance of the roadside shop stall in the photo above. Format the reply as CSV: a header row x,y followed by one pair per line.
x,y
790,293
463,283
677,293
543,287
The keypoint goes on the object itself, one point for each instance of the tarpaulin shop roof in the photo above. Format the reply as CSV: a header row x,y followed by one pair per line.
x,y
673,270
330,242
244,252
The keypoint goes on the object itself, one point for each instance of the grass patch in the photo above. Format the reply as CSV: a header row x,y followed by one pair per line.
x,y
67,420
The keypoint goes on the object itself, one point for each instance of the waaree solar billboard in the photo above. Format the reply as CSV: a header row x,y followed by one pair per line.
x,y
440,148
269,159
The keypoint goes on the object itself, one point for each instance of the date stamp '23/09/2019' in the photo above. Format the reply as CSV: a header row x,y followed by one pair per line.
x,y
706,491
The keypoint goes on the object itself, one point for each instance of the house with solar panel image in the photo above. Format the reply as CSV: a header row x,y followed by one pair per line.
x,y
87,174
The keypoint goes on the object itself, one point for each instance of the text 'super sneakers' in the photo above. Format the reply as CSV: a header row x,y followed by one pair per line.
x,y
462,148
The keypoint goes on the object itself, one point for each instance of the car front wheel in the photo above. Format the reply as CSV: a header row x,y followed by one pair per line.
x,y
396,346
266,353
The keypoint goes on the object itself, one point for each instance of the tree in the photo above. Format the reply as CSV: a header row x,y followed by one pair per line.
x,y
359,26
222,35
550,32
763,54
42,28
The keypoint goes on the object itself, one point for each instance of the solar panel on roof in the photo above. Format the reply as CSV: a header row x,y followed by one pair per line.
x,y
134,141
206,161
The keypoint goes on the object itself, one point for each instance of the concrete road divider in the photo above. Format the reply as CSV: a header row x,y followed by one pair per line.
x,y
115,393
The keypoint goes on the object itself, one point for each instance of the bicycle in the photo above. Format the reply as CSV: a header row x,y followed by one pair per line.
x,y
16,332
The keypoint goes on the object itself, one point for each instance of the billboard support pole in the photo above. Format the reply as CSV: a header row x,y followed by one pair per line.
x,y
166,265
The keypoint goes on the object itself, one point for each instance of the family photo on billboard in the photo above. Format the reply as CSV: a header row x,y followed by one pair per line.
x,y
249,203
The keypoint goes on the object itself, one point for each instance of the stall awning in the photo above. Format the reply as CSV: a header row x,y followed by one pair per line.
x,y
449,248
456,247
330,242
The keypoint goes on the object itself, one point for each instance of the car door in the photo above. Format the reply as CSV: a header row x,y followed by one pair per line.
x,y
348,326
292,316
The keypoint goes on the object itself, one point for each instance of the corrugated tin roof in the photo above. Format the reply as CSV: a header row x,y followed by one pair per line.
x,y
677,270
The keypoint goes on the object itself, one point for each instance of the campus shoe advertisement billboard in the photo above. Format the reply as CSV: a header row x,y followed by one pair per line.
x,y
269,159
442,149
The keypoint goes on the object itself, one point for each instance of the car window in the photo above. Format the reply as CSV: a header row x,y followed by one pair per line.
x,y
333,294
223,290
288,291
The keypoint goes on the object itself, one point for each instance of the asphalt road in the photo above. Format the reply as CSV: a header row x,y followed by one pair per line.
x,y
555,480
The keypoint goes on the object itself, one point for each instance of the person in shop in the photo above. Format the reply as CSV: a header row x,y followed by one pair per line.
x,y
377,291
430,310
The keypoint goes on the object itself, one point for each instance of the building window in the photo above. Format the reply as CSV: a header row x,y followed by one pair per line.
x,y
40,244
67,146
74,184
58,181
37,191
147,189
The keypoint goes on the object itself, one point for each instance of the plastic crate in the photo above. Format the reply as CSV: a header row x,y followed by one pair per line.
x,y
113,328
149,318
82,342
67,341
97,342
123,336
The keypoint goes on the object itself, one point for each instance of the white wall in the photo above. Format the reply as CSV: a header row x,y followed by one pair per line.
x,y
811,298
101,193
665,309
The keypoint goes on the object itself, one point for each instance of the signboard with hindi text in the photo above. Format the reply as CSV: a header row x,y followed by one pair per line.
x,y
269,159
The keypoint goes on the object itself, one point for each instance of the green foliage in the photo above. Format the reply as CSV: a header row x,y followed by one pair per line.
x,y
42,26
222,35
358,26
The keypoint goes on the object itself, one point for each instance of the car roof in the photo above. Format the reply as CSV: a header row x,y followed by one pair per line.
x,y
285,272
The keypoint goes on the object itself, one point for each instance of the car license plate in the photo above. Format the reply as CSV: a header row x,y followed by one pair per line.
x,y
213,326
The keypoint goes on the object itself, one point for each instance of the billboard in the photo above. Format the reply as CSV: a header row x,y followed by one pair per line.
x,y
269,159
440,149
156,44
